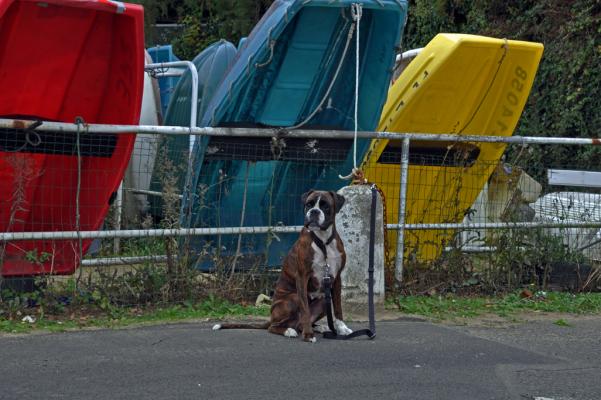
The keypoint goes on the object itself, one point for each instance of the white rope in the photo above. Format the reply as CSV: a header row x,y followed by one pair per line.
x,y
357,13
333,81
271,48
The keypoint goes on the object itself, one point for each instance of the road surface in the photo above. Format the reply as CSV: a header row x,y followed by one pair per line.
x,y
409,359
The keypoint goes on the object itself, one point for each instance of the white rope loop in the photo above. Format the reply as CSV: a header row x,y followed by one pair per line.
x,y
332,82
356,13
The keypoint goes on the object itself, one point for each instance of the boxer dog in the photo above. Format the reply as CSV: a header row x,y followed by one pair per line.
x,y
298,300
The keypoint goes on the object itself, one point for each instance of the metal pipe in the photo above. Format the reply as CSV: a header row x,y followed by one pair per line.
x,y
194,74
497,225
193,121
255,230
169,73
408,55
297,133
118,216
473,249
165,67
169,26
148,192
400,243
145,233
94,262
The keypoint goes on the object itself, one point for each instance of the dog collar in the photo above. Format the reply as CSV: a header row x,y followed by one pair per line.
x,y
321,244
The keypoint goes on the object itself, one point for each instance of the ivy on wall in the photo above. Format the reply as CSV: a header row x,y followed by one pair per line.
x,y
566,97
200,22
207,21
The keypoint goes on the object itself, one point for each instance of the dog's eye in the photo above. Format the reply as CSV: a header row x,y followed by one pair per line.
x,y
323,205
310,204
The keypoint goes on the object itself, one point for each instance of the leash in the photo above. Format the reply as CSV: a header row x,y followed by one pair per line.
x,y
327,280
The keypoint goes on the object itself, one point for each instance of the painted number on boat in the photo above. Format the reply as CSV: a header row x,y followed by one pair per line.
x,y
512,98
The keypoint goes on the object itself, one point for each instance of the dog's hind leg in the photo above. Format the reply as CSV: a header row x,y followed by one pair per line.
x,y
337,299
283,330
284,317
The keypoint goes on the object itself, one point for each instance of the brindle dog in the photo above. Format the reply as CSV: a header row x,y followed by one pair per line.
x,y
298,301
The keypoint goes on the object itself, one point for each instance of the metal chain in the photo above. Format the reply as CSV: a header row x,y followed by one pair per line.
x,y
387,260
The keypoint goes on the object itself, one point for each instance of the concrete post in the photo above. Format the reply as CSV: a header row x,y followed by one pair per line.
x,y
353,224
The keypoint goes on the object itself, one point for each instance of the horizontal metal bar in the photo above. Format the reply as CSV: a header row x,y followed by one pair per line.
x,y
297,133
498,225
409,54
170,64
149,192
94,262
193,75
255,230
144,233
169,74
172,68
168,26
473,249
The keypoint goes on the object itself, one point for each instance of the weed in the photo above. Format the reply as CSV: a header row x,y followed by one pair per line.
x,y
78,317
21,167
562,322
451,306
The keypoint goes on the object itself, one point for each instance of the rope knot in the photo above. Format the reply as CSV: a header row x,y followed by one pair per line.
x,y
357,176
356,11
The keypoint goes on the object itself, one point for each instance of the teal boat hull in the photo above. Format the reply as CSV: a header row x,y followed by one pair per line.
x,y
212,64
279,79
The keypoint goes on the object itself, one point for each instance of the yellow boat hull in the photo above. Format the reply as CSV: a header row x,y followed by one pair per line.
x,y
463,84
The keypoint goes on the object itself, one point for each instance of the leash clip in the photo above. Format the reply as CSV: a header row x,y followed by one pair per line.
x,y
327,278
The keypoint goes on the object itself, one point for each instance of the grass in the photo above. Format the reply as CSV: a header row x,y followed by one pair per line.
x,y
450,307
562,322
211,308
436,307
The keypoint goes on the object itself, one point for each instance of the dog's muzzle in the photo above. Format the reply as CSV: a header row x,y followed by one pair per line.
x,y
314,218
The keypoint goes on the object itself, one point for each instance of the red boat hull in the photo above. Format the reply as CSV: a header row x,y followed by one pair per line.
x,y
60,60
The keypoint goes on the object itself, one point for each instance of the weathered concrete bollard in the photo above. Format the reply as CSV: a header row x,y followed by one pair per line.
x,y
353,225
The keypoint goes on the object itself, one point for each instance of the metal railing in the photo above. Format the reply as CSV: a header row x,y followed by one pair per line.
x,y
401,226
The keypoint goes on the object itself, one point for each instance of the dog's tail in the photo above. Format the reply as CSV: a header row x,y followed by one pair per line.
x,y
263,325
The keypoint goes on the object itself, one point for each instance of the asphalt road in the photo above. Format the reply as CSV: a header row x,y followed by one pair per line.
x,y
409,359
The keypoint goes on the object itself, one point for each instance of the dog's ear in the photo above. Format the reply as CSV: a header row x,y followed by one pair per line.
x,y
306,195
338,200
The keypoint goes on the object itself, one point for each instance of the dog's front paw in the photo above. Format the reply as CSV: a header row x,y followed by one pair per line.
x,y
309,336
341,328
291,333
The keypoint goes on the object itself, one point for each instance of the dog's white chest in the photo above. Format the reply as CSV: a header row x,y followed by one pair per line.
x,y
334,261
